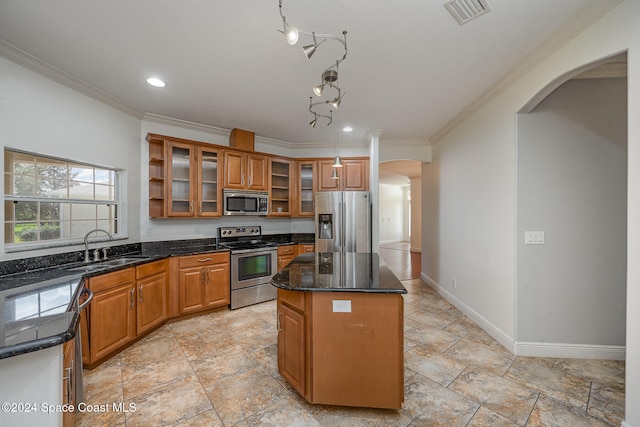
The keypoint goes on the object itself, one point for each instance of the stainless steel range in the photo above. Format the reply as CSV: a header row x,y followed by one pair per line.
x,y
253,263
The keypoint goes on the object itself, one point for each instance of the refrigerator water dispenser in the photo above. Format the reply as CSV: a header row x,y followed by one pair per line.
x,y
325,226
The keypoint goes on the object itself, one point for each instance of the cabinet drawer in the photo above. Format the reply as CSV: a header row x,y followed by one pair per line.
x,y
203,259
110,280
286,250
151,268
295,299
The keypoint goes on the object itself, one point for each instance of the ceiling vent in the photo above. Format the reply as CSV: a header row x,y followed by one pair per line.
x,y
466,10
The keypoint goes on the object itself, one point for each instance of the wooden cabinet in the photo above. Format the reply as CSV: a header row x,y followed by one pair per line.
x,y
203,282
352,176
151,290
292,340
286,254
208,173
305,187
69,383
244,171
186,178
126,304
304,248
157,193
111,315
313,337
280,187
183,178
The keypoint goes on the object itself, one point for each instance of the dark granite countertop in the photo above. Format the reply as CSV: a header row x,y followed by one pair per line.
x,y
38,309
338,272
37,294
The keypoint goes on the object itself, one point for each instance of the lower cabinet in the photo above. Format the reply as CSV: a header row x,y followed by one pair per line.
x,y
292,339
126,303
69,381
203,282
286,254
336,357
304,248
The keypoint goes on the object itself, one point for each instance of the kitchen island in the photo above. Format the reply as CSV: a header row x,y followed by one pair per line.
x,y
340,329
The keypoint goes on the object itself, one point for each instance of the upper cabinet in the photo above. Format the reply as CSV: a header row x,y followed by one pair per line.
x,y
245,171
305,187
280,187
352,176
184,179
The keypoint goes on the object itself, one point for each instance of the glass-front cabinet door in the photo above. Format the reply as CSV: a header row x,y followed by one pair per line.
x,y
209,199
305,187
180,177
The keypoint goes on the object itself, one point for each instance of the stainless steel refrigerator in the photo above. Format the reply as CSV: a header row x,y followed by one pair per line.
x,y
343,221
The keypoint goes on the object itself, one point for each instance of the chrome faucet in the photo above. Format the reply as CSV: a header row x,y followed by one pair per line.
x,y
87,258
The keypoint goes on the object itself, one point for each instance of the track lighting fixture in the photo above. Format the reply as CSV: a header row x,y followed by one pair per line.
x,y
329,76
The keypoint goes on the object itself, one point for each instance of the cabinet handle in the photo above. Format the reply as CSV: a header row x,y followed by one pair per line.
x,y
200,208
69,379
87,301
140,293
133,299
205,260
191,206
242,180
250,180
279,324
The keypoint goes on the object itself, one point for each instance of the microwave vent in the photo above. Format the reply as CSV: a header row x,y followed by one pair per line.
x,y
466,10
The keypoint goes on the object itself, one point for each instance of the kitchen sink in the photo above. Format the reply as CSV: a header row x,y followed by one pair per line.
x,y
122,261
104,265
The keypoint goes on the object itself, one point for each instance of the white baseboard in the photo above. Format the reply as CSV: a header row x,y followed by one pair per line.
x,y
572,351
533,349
505,340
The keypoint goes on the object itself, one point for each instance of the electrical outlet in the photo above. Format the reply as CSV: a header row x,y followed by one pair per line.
x,y
534,237
342,306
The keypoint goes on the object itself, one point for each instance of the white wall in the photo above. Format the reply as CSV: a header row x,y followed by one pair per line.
x,y
475,192
39,115
572,171
391,211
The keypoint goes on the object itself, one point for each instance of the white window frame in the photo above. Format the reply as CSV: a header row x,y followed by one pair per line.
x,y
116,223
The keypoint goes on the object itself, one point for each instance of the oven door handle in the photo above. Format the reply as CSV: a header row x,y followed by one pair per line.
x,y
88,300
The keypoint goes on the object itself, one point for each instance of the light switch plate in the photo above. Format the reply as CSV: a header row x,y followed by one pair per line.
x,y
534,237
341,306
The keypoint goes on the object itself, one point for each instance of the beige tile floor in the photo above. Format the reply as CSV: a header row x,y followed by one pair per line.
x,y
220,369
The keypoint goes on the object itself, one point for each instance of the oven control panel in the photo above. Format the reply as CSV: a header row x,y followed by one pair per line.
x,y
252,230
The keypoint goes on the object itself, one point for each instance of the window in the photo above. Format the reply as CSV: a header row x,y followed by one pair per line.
x,y
50,201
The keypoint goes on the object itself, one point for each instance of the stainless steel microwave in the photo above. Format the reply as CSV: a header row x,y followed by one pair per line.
x,y
239,202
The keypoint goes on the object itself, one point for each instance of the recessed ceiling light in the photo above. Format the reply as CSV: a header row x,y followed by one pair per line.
x,y
347,129
154,81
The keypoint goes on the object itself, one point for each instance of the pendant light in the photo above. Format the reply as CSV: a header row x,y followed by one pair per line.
x,y
337,161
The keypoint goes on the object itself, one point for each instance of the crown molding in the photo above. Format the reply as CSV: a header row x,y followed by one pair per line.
x,y
30,62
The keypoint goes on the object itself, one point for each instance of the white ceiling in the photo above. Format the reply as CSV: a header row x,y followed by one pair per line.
x,y
411,68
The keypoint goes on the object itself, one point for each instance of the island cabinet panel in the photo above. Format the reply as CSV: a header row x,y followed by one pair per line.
x,y
334,355
368,342
291,347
